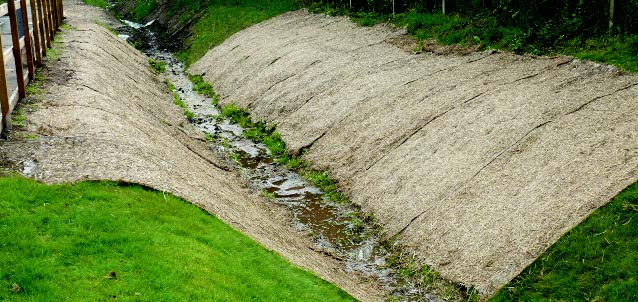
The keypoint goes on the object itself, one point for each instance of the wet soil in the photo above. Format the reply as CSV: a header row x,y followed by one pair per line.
x,y
336,229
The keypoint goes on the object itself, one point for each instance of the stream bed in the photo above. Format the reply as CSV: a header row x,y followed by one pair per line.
x,y
336,229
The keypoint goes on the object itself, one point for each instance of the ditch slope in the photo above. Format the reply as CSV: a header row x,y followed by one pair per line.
x,y
478,161
105,115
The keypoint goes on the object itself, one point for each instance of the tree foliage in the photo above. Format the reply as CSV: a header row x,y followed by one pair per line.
x,y
570,17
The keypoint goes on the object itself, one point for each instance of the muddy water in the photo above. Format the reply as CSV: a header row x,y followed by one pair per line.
x,y
331,225
336,229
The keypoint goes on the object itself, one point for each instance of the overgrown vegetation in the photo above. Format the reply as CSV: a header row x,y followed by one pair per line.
x,y
574,27
136,10
179,102
595,261
410,271
105,241
268,135
157,66
202,87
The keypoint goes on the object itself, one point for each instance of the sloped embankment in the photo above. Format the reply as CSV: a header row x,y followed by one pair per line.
x,y
479,161
106,115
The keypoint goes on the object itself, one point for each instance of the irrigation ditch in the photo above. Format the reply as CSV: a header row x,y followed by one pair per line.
x,y
254,149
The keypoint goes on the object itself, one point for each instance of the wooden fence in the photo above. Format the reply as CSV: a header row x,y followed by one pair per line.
x,y
32,24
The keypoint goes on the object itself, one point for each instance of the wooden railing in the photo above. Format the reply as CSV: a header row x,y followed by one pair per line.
x,y
33,24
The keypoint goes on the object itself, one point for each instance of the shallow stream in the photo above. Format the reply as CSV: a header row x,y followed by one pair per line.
x,y
336,229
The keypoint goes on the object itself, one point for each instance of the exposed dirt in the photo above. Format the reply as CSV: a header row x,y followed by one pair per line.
x,y
106,115
480,160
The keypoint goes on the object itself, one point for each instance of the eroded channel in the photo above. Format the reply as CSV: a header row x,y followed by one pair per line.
x,y
336,229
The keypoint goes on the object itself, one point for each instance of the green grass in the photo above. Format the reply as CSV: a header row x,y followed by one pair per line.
x,y
157,66
485,32
204,88
595,261
617,50
180,103
98,3
224,18
97,241
268,135
136,9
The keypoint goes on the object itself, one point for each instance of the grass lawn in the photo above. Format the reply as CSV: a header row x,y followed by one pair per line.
x,y
595,261
96,241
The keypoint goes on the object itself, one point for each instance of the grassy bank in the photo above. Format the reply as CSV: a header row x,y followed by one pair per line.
x,y
595,261
97,241
224,18
215,21
486,32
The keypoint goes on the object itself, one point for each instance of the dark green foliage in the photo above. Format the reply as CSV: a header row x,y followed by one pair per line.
x,y
137,9
157,66
260,132
180,103
566,17
103,241
202,87
595,261
574,27
257,131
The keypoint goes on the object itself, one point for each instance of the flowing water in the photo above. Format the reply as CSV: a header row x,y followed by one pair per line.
x,y
336,229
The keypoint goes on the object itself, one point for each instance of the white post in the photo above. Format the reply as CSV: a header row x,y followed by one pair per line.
x,y
443,5
392,8
611,14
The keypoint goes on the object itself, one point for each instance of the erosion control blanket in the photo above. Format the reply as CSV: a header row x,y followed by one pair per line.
x,y
479,161
106,115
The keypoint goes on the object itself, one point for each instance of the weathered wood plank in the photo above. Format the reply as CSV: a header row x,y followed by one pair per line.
x,y
4,93
27,39
36,34
17,53
43,28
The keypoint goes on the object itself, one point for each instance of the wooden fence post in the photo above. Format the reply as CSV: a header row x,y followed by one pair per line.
x,y
27,38
4,93
17,54
43,29
611,15
61,11
54,11
49,16
36,33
